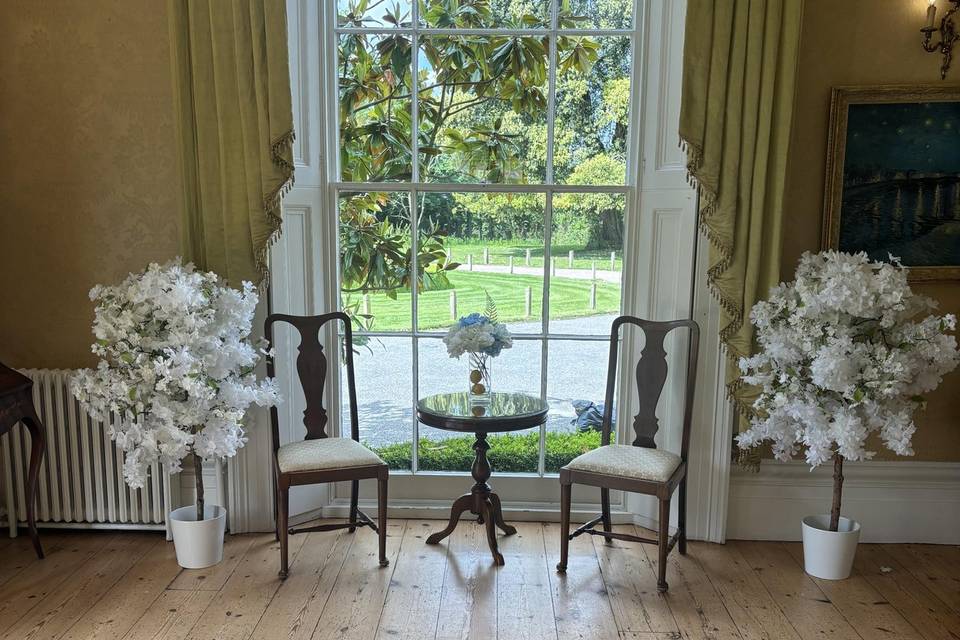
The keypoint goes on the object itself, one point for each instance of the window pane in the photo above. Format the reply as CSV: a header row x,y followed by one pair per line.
x,y
373,13
483,109
475,14
375,121
477,244
375,240
586,262
517,370
384,397
576,386
595,14
592,110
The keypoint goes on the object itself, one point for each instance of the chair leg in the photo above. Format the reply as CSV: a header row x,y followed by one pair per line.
x,y
283,500
382,517
354,490
682,517
276,508
605,512
663,541
564,526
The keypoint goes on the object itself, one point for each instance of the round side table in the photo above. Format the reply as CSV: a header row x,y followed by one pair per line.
x,y
459,412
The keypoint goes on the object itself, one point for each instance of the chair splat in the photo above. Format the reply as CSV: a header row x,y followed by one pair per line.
x,y
651,374
312,370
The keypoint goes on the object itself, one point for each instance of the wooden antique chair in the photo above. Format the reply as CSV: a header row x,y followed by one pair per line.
x,y
638,467
319,457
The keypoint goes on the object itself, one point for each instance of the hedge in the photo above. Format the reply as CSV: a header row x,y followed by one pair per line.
x,y
508,453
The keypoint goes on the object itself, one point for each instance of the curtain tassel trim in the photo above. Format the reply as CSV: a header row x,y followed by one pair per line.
x,y
708,204
272,203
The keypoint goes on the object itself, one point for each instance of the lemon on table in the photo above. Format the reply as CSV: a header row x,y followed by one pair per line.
x,y
475,376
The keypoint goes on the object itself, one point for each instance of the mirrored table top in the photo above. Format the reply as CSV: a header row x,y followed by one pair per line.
x,y
502,412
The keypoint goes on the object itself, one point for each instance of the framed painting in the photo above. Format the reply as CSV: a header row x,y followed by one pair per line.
x,y
893,176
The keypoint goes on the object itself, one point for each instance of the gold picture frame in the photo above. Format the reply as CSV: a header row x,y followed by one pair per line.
x,y
912,97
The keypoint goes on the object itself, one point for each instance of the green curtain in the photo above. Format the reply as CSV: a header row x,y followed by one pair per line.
x,y
235,123
739,77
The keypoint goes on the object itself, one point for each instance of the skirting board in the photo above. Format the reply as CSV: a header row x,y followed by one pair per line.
x,y
893,501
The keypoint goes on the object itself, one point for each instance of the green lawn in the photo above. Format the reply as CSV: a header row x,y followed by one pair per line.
x,y
569,298
501,250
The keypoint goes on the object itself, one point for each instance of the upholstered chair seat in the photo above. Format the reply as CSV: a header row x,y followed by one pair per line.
x,y
324,453
628,461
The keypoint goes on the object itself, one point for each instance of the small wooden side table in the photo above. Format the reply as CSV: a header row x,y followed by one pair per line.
x,y
16,405
459,412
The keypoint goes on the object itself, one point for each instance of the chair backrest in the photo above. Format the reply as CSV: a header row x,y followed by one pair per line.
x,y
651,375
312,370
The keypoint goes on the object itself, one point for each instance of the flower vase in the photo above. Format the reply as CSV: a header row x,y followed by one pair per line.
x,y
479,378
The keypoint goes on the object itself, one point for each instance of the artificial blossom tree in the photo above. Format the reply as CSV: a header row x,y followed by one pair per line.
x,y
845,350
176,370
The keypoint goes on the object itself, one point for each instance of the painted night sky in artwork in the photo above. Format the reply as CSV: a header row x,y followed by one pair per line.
x,y
901,137
901,182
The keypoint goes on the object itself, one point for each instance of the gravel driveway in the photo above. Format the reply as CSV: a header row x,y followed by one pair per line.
x,y
576,371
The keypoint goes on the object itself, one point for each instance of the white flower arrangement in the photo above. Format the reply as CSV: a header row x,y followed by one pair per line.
x,y
176,371
845,351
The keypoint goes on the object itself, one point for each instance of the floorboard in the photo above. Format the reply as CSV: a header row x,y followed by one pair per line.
x,y
127,586
803,603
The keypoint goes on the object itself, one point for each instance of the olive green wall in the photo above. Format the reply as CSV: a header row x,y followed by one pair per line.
x,y
88,177
862,42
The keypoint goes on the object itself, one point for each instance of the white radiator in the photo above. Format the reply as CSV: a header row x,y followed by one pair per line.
x,y
81,479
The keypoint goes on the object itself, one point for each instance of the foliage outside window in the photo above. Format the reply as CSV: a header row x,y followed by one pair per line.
x,y
532,94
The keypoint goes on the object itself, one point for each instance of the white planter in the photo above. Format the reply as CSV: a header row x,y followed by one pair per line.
x,y
829,554
198,544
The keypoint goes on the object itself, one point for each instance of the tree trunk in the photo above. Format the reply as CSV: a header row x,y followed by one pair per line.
x,y
837,491
198,473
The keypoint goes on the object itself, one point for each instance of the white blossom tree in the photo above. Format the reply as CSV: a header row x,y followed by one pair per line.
x,y
846,350
176,371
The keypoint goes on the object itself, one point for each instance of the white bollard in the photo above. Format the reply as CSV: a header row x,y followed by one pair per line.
x,y
593,269
553,265
527,260
453,304
365,305
527,302
613,261
593,295
486,255
570,259
510,260
469,262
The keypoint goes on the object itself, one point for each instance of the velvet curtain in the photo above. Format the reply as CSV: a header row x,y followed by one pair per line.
x,y
235,122
739,76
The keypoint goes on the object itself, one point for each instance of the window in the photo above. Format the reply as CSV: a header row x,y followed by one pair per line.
x,y
483,156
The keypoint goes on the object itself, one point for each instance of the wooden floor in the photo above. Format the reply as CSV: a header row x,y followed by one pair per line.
x,y
128,585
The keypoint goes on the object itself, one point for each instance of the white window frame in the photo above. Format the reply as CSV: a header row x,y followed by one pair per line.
x,y
416,187
659,238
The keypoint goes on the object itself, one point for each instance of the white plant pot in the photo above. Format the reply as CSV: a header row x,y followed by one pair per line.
x,y
198,544
829,554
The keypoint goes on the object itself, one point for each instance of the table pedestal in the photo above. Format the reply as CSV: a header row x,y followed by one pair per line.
x,y
481,502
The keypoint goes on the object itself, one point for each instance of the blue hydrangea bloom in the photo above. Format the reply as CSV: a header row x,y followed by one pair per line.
x,y
474,318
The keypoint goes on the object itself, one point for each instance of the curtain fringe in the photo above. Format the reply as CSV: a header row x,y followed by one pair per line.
x,y
272,203
708,205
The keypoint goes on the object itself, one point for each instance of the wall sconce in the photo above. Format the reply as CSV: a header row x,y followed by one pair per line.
x,y
948,34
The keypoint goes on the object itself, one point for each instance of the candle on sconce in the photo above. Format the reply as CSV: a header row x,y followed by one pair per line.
x,y
931,13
